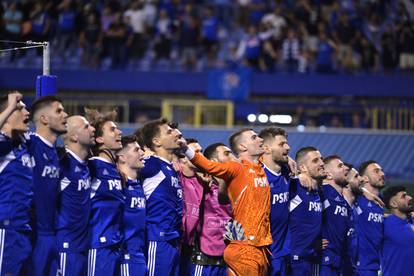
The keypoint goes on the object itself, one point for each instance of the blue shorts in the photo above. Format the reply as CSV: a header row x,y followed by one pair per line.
x,y
278,266
304,268
163,258
330,270
73,263
361,272
185,263
15,251
208,270
45,256
133,264
103,261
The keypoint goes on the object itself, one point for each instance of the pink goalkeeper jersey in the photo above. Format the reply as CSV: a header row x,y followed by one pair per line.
x,y
192,193
215,218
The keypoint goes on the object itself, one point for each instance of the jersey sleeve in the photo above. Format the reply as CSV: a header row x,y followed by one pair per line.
x,y
150,169
226,171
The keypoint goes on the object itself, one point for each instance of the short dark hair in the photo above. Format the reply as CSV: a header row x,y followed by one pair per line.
x,y
151,130
128,139
98,119
41,102
364,166
191,140
138,134
329,158
173,125
391,192
271,132
234,139
4,101
211,151
302,152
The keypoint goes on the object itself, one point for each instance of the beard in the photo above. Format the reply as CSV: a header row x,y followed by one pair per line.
x,y
406,209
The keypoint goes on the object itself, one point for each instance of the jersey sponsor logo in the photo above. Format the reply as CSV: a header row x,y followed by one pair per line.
x,y
175,182
28,161
260,182
375,217
315,206
280,198
83,184
114,183
137,202
51,171
339,210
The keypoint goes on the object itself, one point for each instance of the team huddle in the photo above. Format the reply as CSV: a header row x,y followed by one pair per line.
x,y
155,203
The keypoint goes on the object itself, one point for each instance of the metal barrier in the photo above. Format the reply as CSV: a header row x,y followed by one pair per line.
x,y
392,118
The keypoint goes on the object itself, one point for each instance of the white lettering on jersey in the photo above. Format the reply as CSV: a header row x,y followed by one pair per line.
x,y
280,198
50,171
179,193
137,202
341,211
28,161
83,184
375,217
260,182
315,206
115,183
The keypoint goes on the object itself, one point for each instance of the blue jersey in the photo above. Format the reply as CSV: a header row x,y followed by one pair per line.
x,y
16,186
134,217
305,221
72,227
351,242
107,203
335,226
45,183
279,211
369,229
164,196
398,249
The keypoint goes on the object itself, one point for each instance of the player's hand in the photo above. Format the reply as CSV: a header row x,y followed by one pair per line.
x,y
14,101
325,243
370,196
293,167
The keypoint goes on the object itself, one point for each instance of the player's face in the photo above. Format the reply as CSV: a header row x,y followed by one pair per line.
x,y
315,166
111,136
224,154
404,202
338,171
85,133
355,181
280,149
253,143
19,119
169,138
57,118
134,156
375,175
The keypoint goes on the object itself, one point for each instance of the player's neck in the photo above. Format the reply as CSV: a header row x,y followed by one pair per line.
x,y
80,151
399,214
337,187
349,196
47,134
251,158
164,153
128,172
371,189
271,164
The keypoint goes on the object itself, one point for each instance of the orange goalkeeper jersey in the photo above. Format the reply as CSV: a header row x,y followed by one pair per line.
x,y
249,195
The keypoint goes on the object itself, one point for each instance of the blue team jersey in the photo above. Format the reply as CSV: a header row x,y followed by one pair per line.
x,y
45,183
279,211
351,241
398,249
72,227
305,221
164,196
107,203
16,186
369,230
335,226
134,217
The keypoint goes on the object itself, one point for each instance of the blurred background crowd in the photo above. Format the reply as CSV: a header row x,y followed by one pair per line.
x,y
327,36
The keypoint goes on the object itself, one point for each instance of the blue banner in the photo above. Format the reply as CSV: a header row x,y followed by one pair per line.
x,y
229,84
